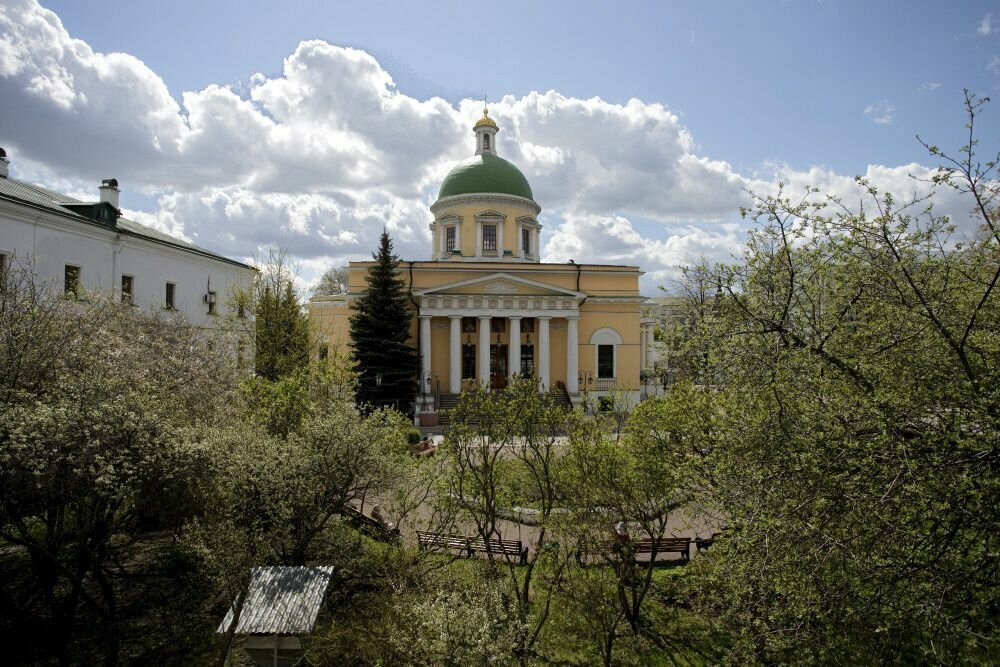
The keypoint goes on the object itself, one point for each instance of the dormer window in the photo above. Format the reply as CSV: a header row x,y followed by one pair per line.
x,y
449,239
526,241
486,141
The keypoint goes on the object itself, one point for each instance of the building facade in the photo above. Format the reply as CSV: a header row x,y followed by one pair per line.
x,y
488,309
79,246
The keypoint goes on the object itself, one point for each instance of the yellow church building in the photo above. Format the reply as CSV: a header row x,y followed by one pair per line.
x,y
486,308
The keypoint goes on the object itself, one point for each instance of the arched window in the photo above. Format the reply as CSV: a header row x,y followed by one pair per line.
x,y
606,342
486,140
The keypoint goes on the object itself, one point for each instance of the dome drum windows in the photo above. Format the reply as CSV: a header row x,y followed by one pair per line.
x,y
529,231
447,232
489,232
490,240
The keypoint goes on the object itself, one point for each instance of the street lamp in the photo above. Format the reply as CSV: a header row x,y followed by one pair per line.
x,y
585,379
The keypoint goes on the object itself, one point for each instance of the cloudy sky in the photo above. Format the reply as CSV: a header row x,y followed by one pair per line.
x,y
313,125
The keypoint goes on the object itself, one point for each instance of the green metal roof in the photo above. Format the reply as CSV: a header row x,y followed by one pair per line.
x,y
485,174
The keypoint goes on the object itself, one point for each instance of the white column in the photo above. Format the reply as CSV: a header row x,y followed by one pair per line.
x,y
543,352
642,348
425,352
442,237
484,350
572,354
500,226
514,347
458,238
455,355
479,239
519,251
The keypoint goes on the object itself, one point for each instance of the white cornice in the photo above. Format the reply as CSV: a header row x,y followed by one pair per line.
x,y
496,199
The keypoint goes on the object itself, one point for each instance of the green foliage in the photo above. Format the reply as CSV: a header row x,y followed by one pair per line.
x,y
280,406
333,281
475,624
855,453
386,364
99,407
281,328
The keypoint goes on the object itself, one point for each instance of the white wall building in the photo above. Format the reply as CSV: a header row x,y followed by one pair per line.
x,y
88,243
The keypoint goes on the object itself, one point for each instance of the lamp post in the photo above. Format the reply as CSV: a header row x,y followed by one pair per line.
x,y
585,379
425,385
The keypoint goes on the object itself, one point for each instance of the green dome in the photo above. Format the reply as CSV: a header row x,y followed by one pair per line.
x,y
482,174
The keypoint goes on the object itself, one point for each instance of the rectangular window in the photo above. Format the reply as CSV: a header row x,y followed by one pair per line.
x,y
605,361
449,239
71,281
468,362
489,238
169,300
127,284
469,325
526,241
527,325
498,325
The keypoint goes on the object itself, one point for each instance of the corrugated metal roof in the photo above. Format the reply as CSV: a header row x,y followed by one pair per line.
x,y
281,600
38,196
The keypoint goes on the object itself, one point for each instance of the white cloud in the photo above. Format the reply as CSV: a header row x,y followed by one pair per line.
x,y
994,65
928,86
321,156
881,112
986,25
614,240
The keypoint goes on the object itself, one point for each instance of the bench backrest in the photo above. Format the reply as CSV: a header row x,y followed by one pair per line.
x,y
666,545
474,543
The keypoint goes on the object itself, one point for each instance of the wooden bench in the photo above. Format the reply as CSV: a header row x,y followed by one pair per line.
x,y
370,525
665,545
470,546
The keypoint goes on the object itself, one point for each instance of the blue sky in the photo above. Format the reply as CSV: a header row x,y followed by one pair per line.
x,y
753,81
227,126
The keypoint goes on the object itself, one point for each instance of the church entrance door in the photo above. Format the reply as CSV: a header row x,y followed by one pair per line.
x,y
498,366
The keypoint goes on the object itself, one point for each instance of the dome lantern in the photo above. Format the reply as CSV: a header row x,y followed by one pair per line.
x,y
486,131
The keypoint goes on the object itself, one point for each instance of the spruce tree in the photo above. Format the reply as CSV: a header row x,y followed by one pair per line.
x,y
281,328
282,340
380,331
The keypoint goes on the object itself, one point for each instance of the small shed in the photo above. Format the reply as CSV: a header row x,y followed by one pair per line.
x,y
281,604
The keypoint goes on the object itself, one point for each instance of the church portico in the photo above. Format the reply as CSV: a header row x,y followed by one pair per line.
x,y
492,348
487,309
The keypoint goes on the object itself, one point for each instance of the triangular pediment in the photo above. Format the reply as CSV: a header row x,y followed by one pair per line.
x,y
503,284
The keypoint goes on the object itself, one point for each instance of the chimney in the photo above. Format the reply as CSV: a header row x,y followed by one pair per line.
x,y
4,163
110,191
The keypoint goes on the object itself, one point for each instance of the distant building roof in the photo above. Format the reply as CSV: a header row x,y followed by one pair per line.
x,y
281,600
54,202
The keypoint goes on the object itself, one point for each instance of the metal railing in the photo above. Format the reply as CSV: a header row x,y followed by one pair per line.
x,y
604,384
